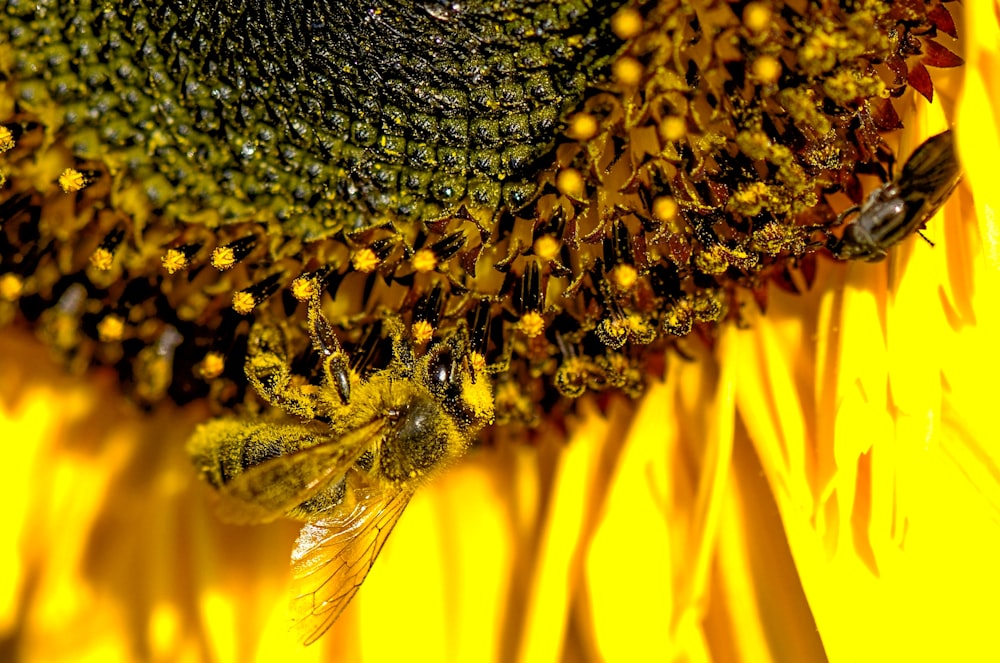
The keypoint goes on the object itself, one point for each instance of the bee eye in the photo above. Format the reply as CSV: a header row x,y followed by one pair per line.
x,y
441,370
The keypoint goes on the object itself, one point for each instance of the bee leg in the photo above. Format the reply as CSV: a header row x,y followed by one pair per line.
x,y
833,245
924,237
846,213
402,351
502,364
811,233
336,371
816,245
268,372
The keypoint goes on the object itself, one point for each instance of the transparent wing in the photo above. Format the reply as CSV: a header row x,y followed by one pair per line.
x,y
269,490
333,555
933,167
930,175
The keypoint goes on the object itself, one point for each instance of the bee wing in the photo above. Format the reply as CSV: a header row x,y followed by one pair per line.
x,y
929,176
269,490
933,166
333,555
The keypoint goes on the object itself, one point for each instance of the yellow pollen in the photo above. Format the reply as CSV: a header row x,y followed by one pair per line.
x,y
665,208
223,258
625,276
6,139
424,261
751,198
770,239
738,253
304,288
306,389
679,315
477,362
627,70
546,247
243,302
72,180
211,366
612,332
531,324
174,261
11,287
626,23
364,260
422,332
110,328
757,16
582,127
636,324
706,307
570,182
712,260
673,128
766,69
101,258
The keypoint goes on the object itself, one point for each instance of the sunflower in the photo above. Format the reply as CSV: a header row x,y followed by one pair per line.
x,y
819,484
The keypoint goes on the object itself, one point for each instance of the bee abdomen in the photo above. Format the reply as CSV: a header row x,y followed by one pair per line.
x,y
224,449
322,502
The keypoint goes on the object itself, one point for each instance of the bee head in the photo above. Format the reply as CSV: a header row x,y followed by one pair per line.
x,y
461,388
857,243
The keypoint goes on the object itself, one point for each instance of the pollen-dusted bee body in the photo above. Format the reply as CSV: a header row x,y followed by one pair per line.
x,y
350,467
896,210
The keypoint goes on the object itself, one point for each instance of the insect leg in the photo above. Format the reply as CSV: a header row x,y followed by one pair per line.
x,y
402,352
924,237
268,372
336,372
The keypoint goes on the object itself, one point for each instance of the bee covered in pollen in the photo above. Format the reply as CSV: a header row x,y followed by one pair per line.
x,y
351,463
897,209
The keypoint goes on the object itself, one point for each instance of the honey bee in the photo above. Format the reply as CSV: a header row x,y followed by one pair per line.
x,y
894,211
349,466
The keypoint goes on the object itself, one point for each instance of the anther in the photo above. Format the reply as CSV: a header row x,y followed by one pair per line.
x,y
103,256
246,300
226,256
179,257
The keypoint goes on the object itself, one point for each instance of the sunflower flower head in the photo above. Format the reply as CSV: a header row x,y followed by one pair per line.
x,y
160,199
